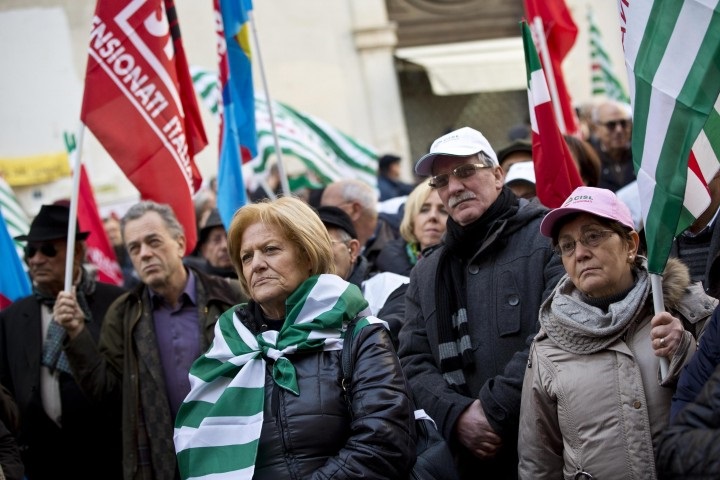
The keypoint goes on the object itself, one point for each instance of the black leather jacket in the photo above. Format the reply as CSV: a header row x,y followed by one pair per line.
x,y
315,435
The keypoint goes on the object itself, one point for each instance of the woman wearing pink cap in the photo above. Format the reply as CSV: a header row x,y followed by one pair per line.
x,y
593,400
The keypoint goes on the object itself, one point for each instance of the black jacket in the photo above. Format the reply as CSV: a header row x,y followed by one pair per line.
x,y
505,282
700,367
690,447
313,436
394,258
89,431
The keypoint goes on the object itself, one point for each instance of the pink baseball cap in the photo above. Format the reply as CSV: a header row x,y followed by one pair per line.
x,y
460,143
595,201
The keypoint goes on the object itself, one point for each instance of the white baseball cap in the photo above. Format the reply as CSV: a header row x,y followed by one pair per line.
x,y
521,171
460,143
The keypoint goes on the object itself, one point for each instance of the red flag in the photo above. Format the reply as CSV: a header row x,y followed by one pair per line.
x,y
560,32
556,174
99,251
140,104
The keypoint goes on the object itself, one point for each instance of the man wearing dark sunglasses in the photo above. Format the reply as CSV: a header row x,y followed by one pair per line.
x,y
55,416
472,305
613,128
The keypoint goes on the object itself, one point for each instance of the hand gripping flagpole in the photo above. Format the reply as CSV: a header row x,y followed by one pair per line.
x,y
278,153
73,149
656,283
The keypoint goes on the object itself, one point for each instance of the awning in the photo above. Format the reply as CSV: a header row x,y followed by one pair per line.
x,y
471,67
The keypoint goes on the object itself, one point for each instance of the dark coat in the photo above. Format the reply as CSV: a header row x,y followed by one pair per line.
x,y
10,460
201,264
700,367
124,367
394,258
690,446
711,279
613,174
390,188
87,430
506,281
313,436
387,229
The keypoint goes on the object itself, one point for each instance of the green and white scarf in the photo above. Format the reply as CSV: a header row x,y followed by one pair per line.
x,y
217,429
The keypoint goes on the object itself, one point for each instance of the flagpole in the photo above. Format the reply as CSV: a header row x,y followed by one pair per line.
x,y
75,162
656,283
549,73
281,167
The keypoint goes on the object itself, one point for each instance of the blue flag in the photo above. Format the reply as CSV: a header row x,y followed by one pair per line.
x,y
238,135
14,282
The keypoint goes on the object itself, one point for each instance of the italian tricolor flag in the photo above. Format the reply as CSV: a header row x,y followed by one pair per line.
x,y
555,171
672,54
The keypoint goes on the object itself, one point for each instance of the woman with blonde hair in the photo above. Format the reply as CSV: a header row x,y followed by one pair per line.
x,y
266,400
422,227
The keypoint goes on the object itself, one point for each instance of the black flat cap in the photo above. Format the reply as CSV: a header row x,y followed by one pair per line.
x,y
336,217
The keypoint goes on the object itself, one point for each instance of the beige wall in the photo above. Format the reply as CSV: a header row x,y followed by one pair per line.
x,y
332,59
340,70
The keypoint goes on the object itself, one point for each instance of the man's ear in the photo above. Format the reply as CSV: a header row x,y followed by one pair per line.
x,y
181,243
499,175
354,247
356,211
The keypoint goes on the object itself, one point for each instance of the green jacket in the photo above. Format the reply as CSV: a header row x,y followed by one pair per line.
x,y
123,371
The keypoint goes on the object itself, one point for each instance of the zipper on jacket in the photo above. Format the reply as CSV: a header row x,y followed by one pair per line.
x,y
530,354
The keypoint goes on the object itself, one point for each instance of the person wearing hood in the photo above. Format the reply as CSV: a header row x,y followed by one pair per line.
x,y
595,399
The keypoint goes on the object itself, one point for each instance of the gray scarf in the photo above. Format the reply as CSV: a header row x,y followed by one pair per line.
x,y
577,327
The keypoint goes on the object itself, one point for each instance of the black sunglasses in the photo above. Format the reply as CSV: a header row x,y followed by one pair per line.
x,y
47,249
612,124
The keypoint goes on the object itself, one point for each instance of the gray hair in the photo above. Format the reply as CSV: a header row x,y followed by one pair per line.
x,y
166,214
353,190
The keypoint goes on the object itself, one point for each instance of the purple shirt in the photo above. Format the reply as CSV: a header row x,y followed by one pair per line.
x,y
177,330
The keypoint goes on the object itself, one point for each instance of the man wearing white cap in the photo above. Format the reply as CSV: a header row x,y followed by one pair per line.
x,y
472,305
520,178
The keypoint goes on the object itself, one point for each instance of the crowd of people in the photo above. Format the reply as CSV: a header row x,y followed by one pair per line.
x,y
528,335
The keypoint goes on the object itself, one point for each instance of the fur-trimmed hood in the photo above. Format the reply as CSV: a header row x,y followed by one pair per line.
x,y
684,296
675,283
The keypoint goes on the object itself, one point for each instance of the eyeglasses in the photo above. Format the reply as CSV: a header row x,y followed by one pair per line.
x,y
47,249
463,171
612,124
589,238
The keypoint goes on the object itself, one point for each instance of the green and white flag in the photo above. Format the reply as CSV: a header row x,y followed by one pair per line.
x,y
672,54
207,86
218,426
323,153
326,153
604,80
15,217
